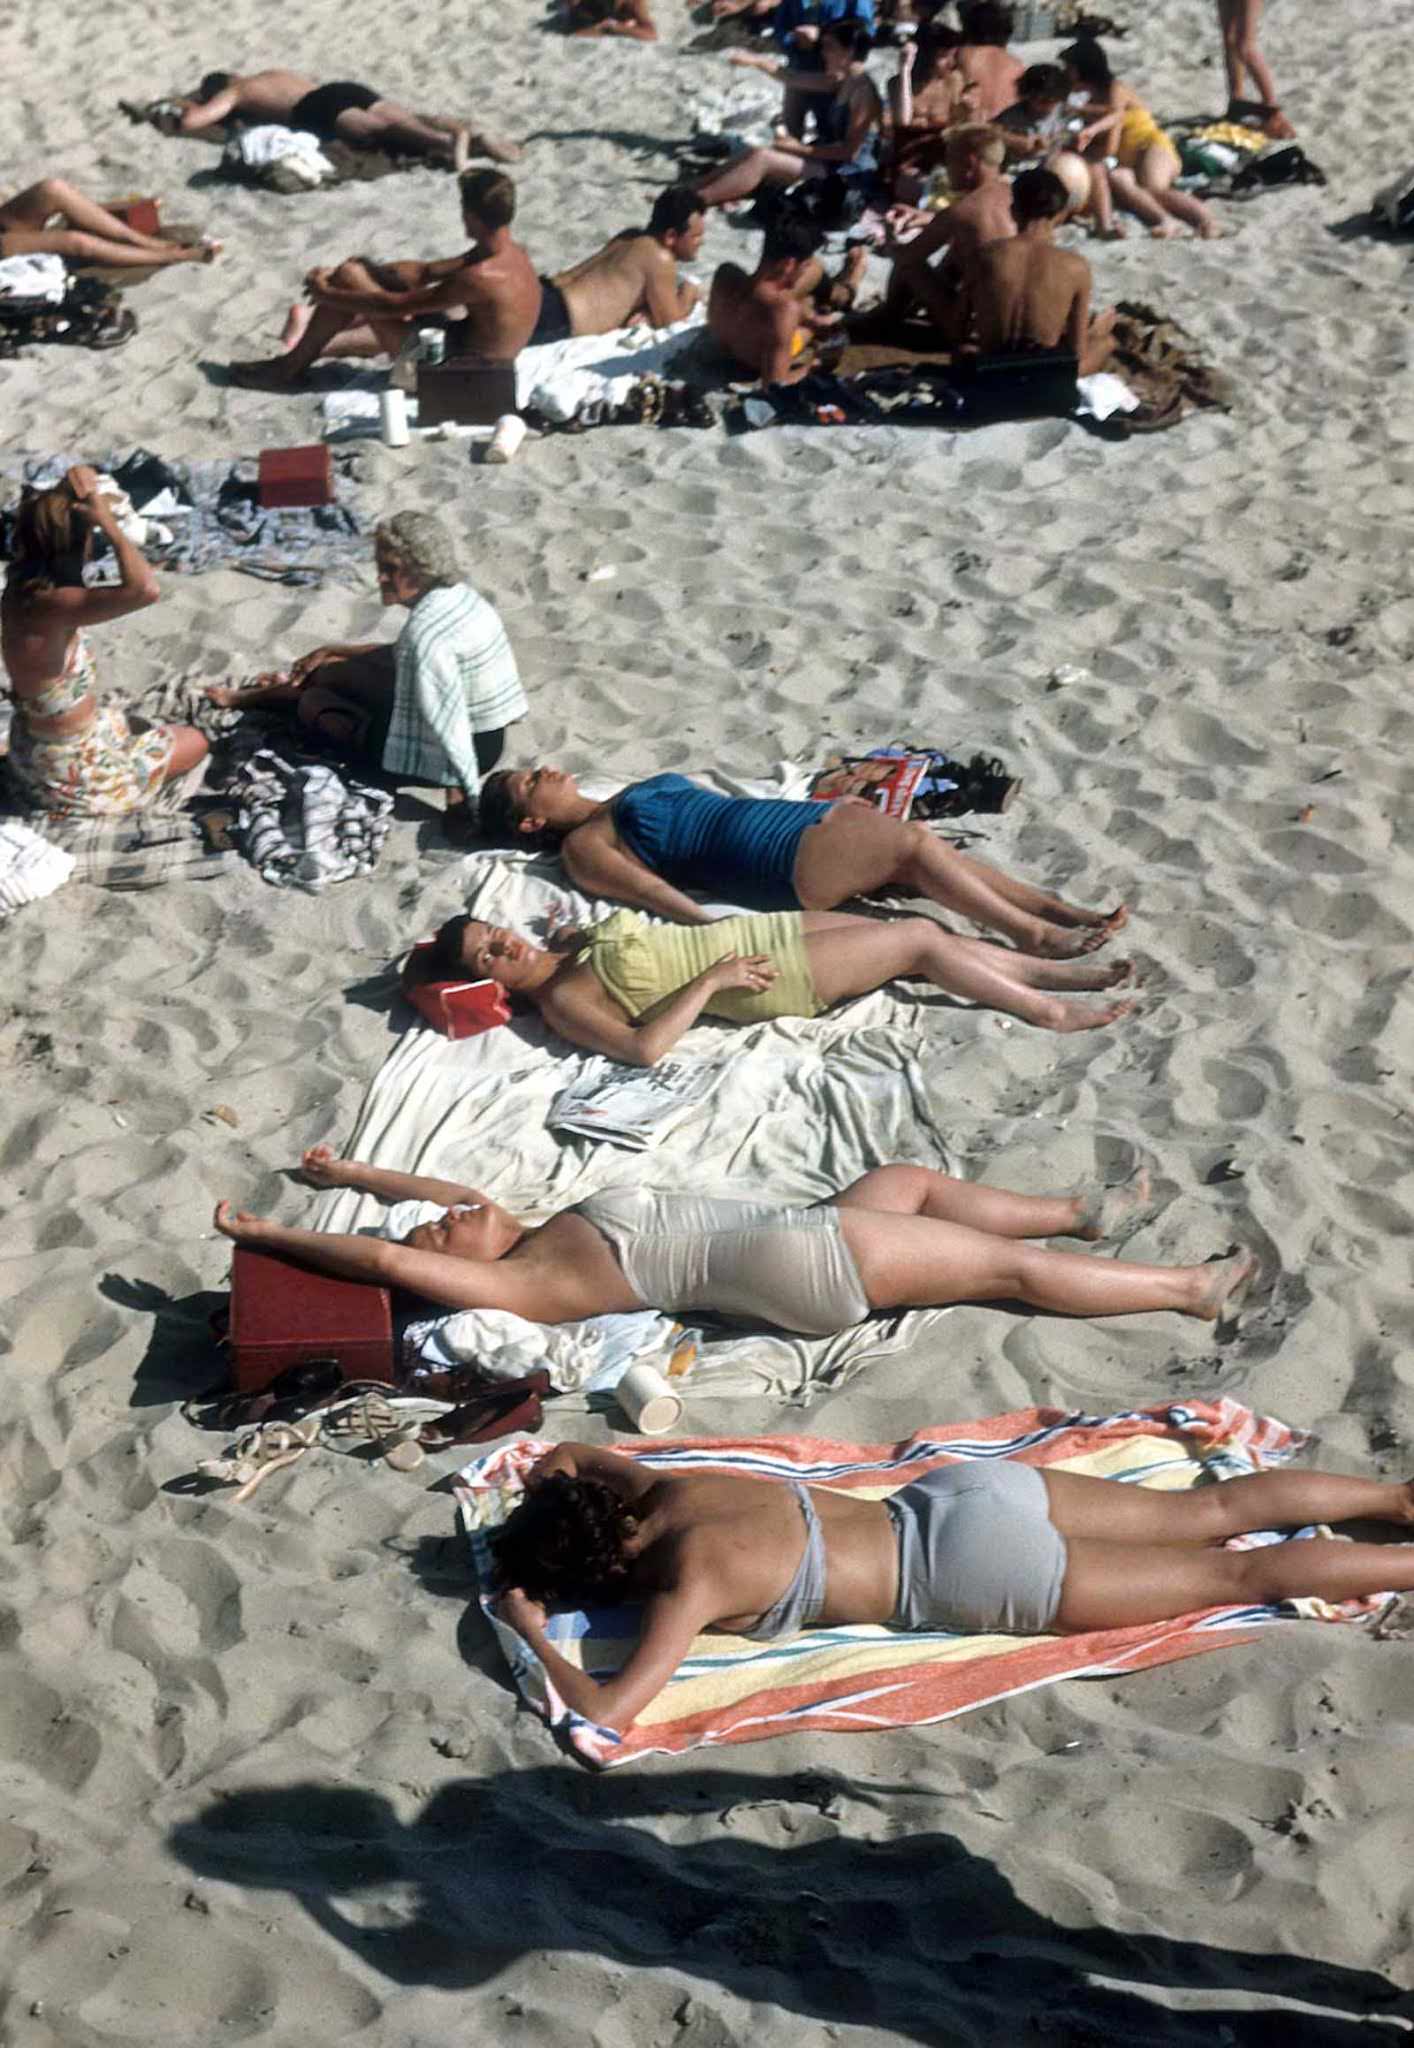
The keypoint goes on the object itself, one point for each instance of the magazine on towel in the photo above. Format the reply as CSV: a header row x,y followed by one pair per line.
x,y
630,1106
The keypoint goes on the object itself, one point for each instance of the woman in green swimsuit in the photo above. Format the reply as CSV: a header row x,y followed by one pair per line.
x,y
630,989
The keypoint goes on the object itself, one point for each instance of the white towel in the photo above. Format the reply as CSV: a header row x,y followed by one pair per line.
x,y
30,866
33,277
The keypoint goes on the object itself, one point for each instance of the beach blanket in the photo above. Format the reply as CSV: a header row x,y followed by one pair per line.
x,y
863,1678
1162,365
211,510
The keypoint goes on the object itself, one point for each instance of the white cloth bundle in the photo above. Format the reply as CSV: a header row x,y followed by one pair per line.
x,y
289,159
33,277
30,866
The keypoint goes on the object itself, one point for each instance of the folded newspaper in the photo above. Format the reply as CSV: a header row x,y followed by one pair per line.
x,y
630,1106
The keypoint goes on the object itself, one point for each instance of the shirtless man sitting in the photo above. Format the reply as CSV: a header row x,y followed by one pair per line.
x,y
634,277
491,292
337,112
768,320
981,216
1027,294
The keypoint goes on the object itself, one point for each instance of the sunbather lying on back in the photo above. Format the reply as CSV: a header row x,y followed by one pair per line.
x,y
898,1237
658,838
53,218
630,989
988,1548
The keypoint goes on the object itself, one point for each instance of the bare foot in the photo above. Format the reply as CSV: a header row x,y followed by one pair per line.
x,y
1096,929
296,321
1076,977
1164,232
1210,232
499,152
1115,232
1225,1285
1107,1210
1071,1017
222,696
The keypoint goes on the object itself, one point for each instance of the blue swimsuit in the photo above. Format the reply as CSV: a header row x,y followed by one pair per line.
x,y
698,840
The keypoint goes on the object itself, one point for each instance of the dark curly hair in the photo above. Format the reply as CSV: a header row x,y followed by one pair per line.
x,y
564,1544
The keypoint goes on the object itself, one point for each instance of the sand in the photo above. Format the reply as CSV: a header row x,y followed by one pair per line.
x,y
1187,1856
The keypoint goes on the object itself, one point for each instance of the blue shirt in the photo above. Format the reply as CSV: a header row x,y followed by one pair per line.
x,y
793,14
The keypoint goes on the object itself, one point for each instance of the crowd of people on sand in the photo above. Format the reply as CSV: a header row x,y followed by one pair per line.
x,y
1024,149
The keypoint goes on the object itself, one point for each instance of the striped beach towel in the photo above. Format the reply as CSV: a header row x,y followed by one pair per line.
x,y
863,1678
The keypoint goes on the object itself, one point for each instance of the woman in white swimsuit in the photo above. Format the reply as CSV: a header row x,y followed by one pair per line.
x,y
899,1237
70,754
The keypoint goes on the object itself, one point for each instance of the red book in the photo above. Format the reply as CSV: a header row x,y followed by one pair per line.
x,y
458,1008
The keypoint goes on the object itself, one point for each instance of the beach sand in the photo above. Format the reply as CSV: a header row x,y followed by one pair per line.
x,y
261,1773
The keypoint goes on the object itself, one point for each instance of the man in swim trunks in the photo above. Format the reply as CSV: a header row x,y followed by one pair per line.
x,y
1028,294
979,1546
661,837
490,297
768,321
634,277
338,112
983,215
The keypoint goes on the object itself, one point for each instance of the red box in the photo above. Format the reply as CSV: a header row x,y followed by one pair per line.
x,y
143,216
297,476
283,1314
458,1008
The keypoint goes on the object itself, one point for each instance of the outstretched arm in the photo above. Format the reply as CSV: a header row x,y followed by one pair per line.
x,y
435,1276
323,1170
671,1622
199,114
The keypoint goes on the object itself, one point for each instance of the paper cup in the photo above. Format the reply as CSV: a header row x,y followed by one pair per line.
x,y
505,442
648,1401
393,417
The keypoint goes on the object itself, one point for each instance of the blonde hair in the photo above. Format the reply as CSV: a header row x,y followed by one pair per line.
x,y
979,140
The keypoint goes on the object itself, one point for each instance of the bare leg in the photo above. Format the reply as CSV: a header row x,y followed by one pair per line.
x,y
36,206
78,246
388,125
853,956
1041,902
468,141
268,690
1099,1511
922,1191
1126,189
189,746
917,1262
1120,1585
740,179
1157,168
284,372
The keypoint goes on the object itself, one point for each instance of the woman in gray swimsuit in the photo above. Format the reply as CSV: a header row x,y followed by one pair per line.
x,y
994,1547
899,1237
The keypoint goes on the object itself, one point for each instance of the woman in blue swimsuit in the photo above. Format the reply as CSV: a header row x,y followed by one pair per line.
x,y
659,838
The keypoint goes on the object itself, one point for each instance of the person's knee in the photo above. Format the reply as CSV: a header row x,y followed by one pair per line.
x,y
349,275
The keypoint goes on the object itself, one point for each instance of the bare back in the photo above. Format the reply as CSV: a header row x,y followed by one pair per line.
x,y
271,95
1028,294
993,74
496,296
750,318
607,289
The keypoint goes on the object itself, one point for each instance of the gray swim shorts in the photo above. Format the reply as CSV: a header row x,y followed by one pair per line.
x,y
977,1550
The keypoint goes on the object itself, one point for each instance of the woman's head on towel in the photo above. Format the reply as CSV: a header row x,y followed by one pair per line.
x,y
492,952
538,805
570,1541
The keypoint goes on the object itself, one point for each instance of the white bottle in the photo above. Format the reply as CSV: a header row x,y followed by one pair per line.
x,y
393,417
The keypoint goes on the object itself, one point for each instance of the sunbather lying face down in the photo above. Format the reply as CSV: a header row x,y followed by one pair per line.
x,y
995,1547
900,1237
630,989
657,838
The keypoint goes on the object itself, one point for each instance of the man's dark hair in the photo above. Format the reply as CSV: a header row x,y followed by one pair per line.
x,y
850,35
674,210
987,21
444,956
214,82
1042,82
1038,195
1088,61
489,196
564,1544
791,240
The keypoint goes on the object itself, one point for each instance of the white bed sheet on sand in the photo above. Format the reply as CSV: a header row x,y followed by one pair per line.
x,y
804,1107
